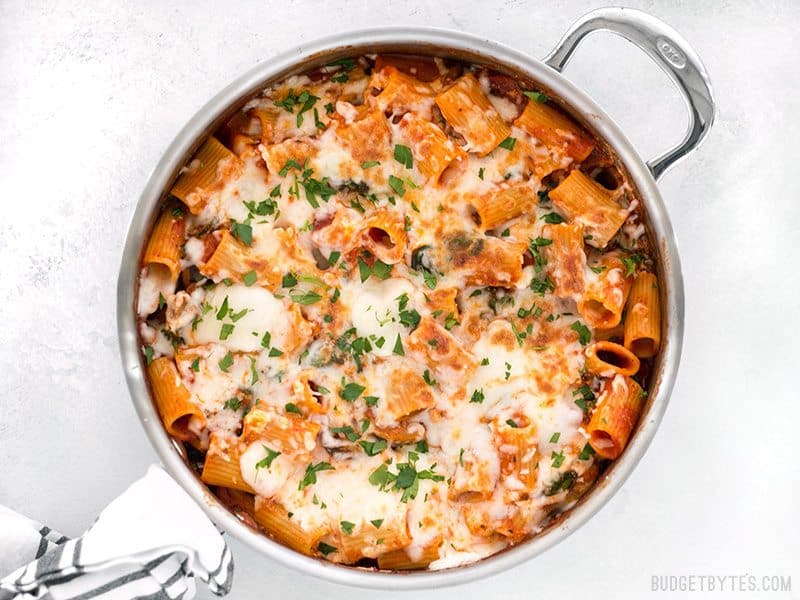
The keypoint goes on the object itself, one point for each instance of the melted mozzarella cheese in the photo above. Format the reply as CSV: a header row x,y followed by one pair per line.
x,y
374,311
261,313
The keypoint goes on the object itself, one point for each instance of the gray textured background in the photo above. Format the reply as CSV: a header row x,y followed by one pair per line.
x,y
90,96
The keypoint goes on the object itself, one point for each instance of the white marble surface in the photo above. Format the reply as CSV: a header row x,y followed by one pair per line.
x,y
92,92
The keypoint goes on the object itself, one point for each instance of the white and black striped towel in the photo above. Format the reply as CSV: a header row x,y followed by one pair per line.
x,y
151,542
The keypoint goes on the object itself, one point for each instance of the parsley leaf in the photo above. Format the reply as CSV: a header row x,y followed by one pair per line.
x,y
310,476
243,232
291,407
630,263
324,548
553,218
249,278
306,298
226,362
351,391
587,452
402,154
373,448
535,96
584,335
398,347
266,462
397,185
508,143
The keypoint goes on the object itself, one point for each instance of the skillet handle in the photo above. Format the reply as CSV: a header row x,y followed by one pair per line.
x,y
669,50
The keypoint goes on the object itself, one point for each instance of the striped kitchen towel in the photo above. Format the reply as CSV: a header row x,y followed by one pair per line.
x,y
151,542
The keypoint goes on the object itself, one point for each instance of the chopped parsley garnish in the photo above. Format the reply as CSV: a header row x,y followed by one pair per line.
x,y
587,452
253,371
409,318
368,164
266,462
371,400
306,298
379,269
196,365
273,352
535,96
542,286
512,423
377,523
402,154
249,278
373,448
266,340
535,246
148,354
429,277
477,396
288,166
223,310
351,391
563,483
238,315
584,396
266,207
398,347
406,480
243,232
347,432
291,407
397,185
346,64
226,362
225,331
630,263
232,403
428,379
450,321
508,143
310,476
480,173
289,280
347,527
558,459
584,335
554,437
597,270
324,548
553,218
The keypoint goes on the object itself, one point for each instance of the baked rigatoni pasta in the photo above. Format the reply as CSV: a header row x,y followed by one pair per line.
x,y
396,313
